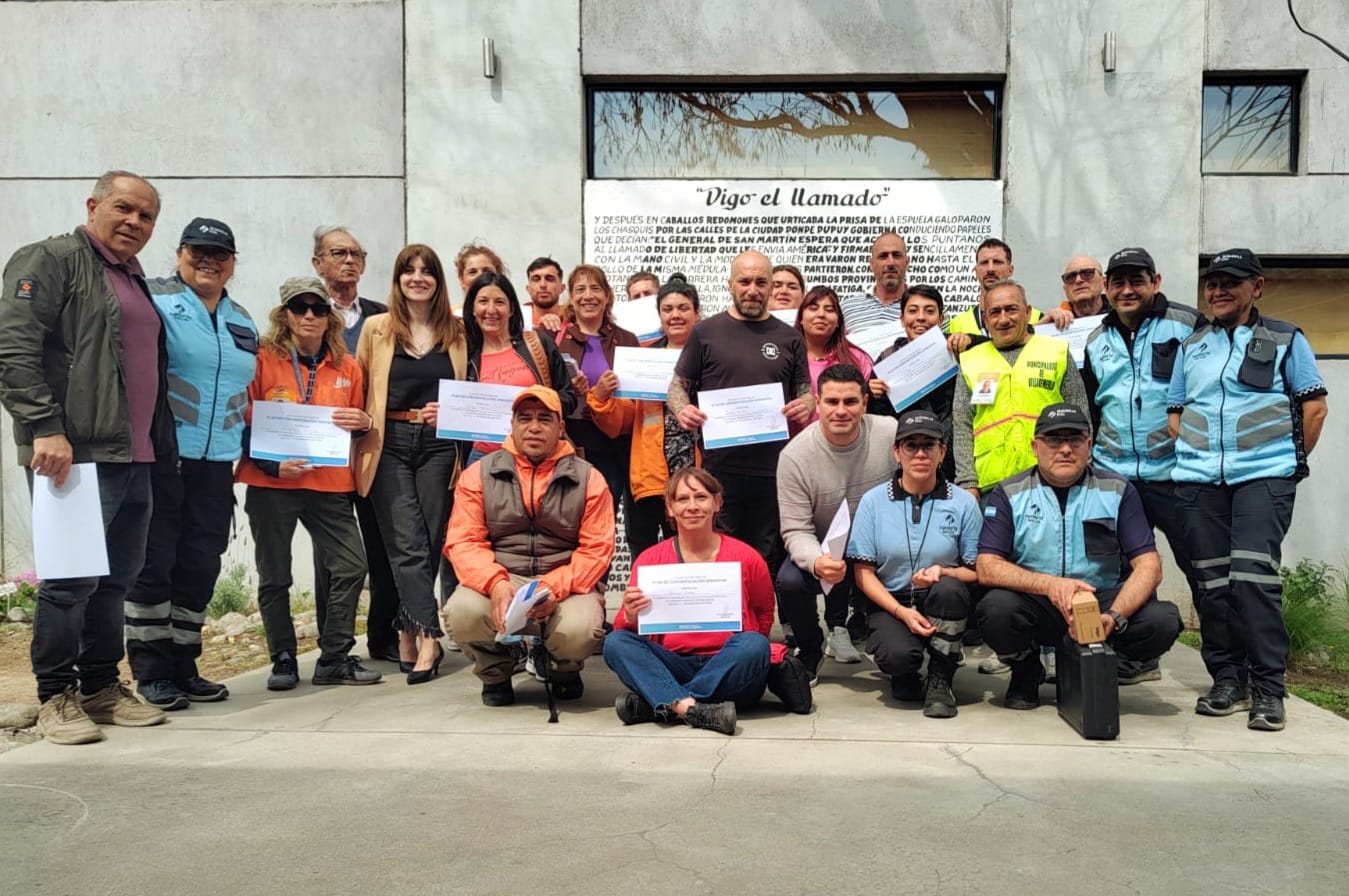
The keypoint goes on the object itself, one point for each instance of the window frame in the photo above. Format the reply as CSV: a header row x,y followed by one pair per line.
x,y
996,84
1292,78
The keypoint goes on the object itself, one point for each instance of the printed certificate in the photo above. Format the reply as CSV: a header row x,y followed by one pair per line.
x,y
644,372
917,369
283,430
475,412
641,317
690,597
744,415
1075,334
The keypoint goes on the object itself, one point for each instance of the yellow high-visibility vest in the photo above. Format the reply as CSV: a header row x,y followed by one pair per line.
x,y
1003,429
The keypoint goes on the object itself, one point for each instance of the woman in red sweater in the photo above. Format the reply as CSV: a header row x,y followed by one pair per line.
x,y
699,678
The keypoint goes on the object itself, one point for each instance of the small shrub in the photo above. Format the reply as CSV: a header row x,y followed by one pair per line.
x,y
1313,611
232,594
25,592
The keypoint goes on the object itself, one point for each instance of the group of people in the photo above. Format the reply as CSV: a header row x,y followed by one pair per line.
x,y
977,511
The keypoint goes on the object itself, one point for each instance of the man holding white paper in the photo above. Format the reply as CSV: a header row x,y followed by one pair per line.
x,y
105,406
831,464
531,511
745,346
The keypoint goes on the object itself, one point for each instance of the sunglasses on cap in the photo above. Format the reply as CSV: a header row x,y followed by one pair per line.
x,y
298,306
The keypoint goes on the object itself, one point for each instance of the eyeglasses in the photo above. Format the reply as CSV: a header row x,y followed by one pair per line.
x,y
339,254
1079,274
211,253
298,307
1054,443
913,449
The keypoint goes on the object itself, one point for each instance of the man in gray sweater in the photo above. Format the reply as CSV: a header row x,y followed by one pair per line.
x,y
838,458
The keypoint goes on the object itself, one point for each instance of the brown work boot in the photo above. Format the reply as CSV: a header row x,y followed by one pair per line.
x,y
117,705
62,720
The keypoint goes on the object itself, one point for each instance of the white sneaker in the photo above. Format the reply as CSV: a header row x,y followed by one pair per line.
x,y
1050,663
991,665
839,646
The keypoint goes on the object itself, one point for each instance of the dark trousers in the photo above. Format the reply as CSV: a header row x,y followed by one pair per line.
x,y
327,517
1016,625
189,530
797,606
1159,503
412,500
381,635
899,652
645,524
749,512
1236,538
77,627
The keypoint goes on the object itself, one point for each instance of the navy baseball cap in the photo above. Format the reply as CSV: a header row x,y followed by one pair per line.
x,y
918,423
1130,258
208,232
1238,262
1060,417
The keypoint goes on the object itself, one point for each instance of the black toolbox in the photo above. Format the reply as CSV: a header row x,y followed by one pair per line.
x,y
1088,688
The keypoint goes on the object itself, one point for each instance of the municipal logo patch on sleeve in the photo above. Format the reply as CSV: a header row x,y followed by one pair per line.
x,y
990,511
25,290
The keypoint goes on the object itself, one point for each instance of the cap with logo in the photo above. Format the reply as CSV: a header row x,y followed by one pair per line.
x,y
919,423
1062,417
543,395
208,232
1133,257
1238,262
303,286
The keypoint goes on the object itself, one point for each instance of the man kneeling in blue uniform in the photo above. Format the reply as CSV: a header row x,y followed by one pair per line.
x,y
1062,527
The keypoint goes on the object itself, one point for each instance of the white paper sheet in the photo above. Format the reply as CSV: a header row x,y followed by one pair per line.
x,y
835,543
744,415
690,597
640,316
68,538
874,340
517,612
644,372
282,430
475,412
1075,334
917,369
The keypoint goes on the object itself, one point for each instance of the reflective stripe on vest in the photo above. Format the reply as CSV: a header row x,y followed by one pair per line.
x,y
1003,430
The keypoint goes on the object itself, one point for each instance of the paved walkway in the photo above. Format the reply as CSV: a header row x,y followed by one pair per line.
x,y
407,790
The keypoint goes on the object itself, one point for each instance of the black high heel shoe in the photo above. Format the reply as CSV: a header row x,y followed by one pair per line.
x,y
419,676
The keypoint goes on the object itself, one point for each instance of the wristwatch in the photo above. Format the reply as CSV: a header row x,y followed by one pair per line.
x,y
1121,622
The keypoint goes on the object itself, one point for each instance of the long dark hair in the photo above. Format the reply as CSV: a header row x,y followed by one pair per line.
x,y
516,327
447,327
838,344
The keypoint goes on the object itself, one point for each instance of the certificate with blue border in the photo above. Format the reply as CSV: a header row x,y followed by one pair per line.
x,y
690,597
743,415
284,430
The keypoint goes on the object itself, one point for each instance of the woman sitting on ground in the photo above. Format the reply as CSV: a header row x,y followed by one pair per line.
x,y
700,678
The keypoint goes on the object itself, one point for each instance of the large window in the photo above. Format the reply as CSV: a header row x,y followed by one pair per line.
x,y
1250,125
694,132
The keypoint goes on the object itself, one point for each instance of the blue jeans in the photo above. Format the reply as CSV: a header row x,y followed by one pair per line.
x,y
738,672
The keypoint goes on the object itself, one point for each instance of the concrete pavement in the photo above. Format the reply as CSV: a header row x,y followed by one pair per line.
x,y
410,790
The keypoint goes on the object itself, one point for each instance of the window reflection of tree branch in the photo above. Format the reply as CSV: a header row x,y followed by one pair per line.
x,y
1248,128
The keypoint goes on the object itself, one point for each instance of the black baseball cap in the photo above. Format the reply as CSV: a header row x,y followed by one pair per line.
x,y
1062,416
1134,257
918,423
1238,262
208,232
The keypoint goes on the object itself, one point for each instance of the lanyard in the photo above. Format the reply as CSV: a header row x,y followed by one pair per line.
x,y
917,503
306,390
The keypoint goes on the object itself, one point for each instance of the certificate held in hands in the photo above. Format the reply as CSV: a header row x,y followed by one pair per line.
x,y
743,415
475,412
644,373
917,369
690,597
284,430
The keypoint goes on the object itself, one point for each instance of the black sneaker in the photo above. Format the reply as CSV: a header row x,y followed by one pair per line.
x,y
199,690
347,670
1266,713
1130,672
811,663
907,688
499,694
789,681
1223,699
633,710
712,717
285,673
162,694
940,701
1023,691
568,687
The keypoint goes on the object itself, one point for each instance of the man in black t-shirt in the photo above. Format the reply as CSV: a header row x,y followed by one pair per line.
x,y
745,346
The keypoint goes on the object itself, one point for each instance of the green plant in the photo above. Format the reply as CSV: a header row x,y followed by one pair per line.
x,y
24,594
232,594
1314,611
